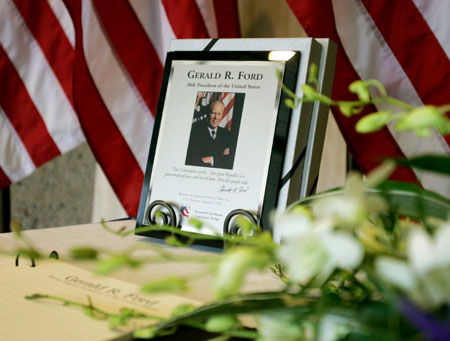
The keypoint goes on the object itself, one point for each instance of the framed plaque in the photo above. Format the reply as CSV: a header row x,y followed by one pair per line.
x,y
219,137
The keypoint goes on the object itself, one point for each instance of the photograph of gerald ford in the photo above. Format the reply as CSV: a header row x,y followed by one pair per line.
x,y
215,129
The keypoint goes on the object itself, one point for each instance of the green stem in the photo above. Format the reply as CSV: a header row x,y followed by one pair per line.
x,y
353,103
121,232
360,284
291,94
398,103
378,85
443,109
177,231
227,238
104,315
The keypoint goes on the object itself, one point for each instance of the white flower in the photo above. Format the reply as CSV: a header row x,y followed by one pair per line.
x,y
425,276
231,271
345,250
310,251
341,209
430,260
304,257
288,225
276,326
351,207
334,326
426,253
396,272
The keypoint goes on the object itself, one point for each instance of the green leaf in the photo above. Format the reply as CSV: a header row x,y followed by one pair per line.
x,y
309,92
116,262
290,103
145,333
313,73
422,119
115,322
220,323
173,241
127,313
403,198
251,303
433,163
183,309
198,224
410,200
361,89
346,108
84,253
373,122
169,284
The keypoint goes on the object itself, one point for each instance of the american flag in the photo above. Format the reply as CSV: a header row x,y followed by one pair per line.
x,y
406,45
91,69
228,100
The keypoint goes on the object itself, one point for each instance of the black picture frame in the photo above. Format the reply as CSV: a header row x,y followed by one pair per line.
x,y
221,61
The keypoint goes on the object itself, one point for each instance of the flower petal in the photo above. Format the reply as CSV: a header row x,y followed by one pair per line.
x,y
442,238
345,251
304,257
288,225
421,251
395,272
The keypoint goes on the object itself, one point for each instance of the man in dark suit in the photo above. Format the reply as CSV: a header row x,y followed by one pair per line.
x,y
209,144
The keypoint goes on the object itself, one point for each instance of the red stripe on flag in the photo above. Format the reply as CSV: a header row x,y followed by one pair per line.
x,y
227,18
125,33
47,31
416,49
317,18
228,107
23,115
185,19
103,135
4,180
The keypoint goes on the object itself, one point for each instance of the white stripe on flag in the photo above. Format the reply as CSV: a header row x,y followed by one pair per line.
x,y
365,47
63,16
14,158
39,79
436,13
209,16
372,58
226,100
153,18
123,100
